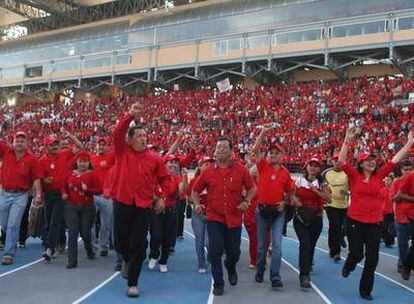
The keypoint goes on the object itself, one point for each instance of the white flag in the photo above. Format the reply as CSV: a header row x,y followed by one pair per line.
x,y
224,85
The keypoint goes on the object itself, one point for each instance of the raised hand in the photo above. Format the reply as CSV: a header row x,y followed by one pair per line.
x,y
350,134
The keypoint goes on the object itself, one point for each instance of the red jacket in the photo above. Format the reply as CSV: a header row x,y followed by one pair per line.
x,y
55,166
137,173
73,187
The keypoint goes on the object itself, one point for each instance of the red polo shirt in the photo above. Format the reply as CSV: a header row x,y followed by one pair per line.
x,y
72,186
56,166
224,192
404,210
18,174
101,165
366,202
137,173
190,189
272,184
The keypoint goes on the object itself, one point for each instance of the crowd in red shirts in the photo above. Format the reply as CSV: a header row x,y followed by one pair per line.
x,y
311,116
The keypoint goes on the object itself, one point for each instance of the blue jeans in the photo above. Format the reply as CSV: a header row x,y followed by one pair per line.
x,y
105,208
263,227
199,225
12,206
405,232
219,238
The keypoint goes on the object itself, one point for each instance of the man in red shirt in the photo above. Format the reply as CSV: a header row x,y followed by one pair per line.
x,y
102,162
224,181
138,172
53,166
274,188
19,172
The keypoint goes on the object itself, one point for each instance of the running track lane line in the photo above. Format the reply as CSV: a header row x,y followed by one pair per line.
x,y
87,295
318,291
21,267
359,265
211,295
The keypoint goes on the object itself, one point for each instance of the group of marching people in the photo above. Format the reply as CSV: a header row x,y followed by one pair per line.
x,y
139,192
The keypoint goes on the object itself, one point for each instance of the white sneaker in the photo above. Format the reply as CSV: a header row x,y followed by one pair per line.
x,y
152,263
202,270
163,268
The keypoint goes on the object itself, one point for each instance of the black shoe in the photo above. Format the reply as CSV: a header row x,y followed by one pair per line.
x,y
305,282
259,277
71,265
336,258
400,268
218,290
345,272
118,268
367,297
104,253
405,273
277,284
47,255
233,278
343,243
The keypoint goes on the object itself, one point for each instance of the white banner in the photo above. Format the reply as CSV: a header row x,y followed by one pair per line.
x,y
224,85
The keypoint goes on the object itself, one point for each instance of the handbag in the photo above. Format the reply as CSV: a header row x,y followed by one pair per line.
x,y
188,211
268,212
34,227
306,215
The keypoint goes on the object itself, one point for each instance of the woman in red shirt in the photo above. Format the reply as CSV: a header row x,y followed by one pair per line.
x,y
365,212
79,187
309,197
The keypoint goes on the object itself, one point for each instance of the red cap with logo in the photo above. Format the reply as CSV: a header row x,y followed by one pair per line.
x,y
364,156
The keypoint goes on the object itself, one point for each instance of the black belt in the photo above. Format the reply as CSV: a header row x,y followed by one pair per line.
x,y
15,190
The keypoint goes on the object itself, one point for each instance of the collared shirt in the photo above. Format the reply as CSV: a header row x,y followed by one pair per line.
x,y
137,173
404,210
272,184
172,193
366,203
224,192
56,167
18,174
72,186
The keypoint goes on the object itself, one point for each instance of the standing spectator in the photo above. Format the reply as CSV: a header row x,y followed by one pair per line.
x,y
138,172
19,172
310,194
338,183
78,189
365,212
274,185
224,182
102,162
388,222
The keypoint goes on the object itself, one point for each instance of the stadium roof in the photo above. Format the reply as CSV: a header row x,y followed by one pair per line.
x,y
24,17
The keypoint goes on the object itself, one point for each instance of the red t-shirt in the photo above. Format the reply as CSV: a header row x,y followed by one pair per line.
x,y
224,192
404,210
272,184
73,187
18,174
386,200
101,165
56,166
171,198
366,202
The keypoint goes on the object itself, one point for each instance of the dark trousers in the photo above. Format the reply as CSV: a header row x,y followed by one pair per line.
x,y
221,238
308,235
289,213
360,235
180,214
131,226
409,260
160,232
55,213
172,233
388,230
24,224
336,217
79,218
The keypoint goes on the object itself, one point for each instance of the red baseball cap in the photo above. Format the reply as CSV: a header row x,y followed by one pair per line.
x,y
364,156
104,139
50,140
314,159
335,155
20,134
83,155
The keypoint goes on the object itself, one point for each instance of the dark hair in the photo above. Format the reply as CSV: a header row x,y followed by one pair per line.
x,y
131,130
75,165
360,170
226,139
319,177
